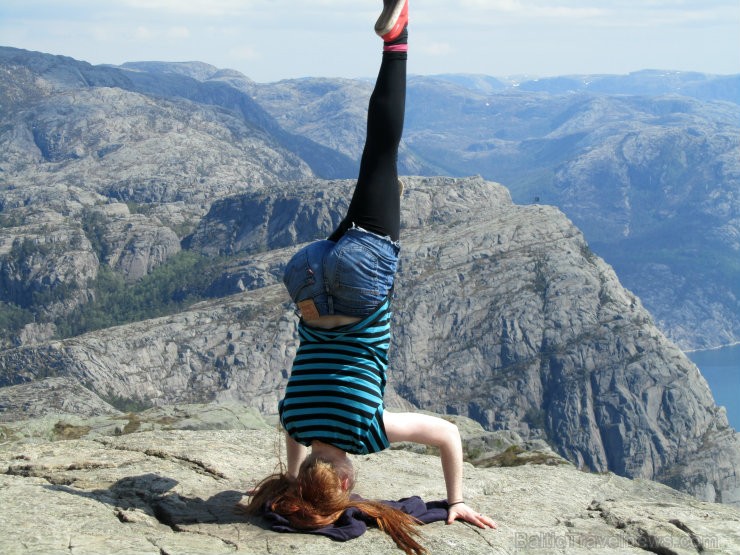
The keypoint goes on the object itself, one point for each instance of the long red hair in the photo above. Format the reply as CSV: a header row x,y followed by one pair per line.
x,y
316,499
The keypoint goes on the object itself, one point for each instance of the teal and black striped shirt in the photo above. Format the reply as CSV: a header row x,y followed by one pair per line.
x,y
335,390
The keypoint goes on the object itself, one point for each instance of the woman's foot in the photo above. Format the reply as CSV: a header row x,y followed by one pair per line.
x,y
393,19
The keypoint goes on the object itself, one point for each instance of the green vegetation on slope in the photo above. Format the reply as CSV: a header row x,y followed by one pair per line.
x,y
170,288
182,281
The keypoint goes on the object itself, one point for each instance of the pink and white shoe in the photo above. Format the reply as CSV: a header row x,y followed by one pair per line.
x,y
393,19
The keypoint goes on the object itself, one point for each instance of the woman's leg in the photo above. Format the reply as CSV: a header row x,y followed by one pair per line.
x,y
375,204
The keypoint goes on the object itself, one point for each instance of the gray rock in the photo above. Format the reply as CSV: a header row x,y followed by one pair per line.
x,y
48,256
34,334
331,112
57,409
260,222
140,149
50,397
176,491
136,244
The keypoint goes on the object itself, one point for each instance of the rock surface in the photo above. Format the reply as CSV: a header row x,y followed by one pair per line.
x,y
50,257
50,396
135,244
173,490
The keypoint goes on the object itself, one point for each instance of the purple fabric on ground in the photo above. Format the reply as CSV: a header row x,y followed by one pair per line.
x,y
353,522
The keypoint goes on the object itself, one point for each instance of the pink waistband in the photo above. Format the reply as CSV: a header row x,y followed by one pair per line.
x,y
395,48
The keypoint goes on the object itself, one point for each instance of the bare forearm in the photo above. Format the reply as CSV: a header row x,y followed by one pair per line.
x,y
452,465
432,430
296,455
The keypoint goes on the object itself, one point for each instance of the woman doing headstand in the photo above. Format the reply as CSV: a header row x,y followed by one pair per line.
x,y
342,287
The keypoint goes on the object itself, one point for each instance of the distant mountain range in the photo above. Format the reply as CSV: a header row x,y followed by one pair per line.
x,y
649,82
647,165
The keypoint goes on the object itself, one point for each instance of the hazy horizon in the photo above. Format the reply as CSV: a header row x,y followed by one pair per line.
x,y
274,40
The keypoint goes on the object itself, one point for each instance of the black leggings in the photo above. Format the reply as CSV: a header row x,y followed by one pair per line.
x,y
376,205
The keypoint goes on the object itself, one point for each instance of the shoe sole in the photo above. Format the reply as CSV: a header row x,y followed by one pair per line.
x,y
392,20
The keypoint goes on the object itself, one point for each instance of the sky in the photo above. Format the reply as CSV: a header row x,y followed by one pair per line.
x,y
270,40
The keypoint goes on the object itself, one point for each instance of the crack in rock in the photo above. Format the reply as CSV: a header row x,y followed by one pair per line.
x,y
195,464
638,535
696,540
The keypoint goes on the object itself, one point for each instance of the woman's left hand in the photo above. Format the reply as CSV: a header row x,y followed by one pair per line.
x,y
462,512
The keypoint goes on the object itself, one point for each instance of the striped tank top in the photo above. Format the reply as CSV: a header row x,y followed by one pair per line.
x,y
335,390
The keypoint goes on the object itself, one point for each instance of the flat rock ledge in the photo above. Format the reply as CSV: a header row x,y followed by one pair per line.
x,y
169,492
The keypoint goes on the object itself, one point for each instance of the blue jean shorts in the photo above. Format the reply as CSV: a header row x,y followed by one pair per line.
x,y
350,277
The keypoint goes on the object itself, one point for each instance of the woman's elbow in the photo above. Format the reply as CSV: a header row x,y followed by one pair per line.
x,y
450,434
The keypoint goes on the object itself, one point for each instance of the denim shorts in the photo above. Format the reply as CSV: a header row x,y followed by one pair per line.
x,y
350,277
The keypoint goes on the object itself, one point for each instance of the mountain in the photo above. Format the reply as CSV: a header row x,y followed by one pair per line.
x,y
646,165
502,314
128,194
644,83
95,171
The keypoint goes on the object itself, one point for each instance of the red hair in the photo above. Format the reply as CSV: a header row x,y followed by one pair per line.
x,y
316,499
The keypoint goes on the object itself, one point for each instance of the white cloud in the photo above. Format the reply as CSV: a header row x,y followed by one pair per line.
x,y
493,5
270,39
205,8
436,48
143,33
534,10
148,33
614,13
180,32
244,53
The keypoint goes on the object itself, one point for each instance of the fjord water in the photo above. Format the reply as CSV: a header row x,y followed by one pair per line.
x,y
721,369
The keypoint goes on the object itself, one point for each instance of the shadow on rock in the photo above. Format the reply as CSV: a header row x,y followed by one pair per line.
x,y
150,493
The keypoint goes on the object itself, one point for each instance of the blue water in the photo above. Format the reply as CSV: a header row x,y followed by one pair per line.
x,y
721,369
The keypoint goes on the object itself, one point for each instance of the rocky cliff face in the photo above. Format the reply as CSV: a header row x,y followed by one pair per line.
x,y
636,161
132,244
97,169
644,170
168,481
48,259
502,314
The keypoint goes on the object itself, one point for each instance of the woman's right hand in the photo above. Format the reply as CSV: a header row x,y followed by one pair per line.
x,y
461,511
